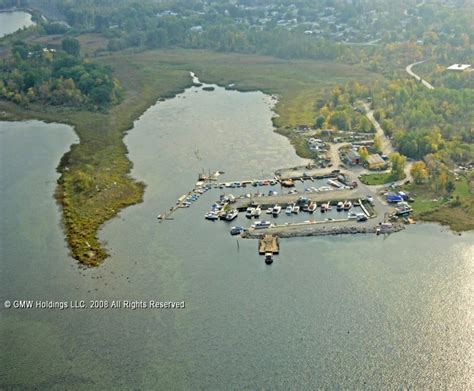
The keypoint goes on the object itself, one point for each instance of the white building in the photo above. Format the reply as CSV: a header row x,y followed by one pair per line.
x,y
458,67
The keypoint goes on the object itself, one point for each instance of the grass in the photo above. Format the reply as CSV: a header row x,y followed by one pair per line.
x,y
455,210
378,178
95,183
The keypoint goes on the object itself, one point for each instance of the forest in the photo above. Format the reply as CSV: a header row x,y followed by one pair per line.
x,y
56,77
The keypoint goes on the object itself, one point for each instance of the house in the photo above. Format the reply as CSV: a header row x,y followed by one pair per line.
x,y
353,157
375,162
458,67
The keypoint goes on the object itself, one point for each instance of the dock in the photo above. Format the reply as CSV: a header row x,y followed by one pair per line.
x,y
268,244
203,179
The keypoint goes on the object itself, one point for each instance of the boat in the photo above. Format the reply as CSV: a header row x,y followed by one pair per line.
x,y
347,205
257,212
312,207
340,205
352,216
403,210
361,217
232,215
276,210
259,224
268,258
249,212
269,211
296,209
211,216
323,208
289,209
237,230
328,206
288,183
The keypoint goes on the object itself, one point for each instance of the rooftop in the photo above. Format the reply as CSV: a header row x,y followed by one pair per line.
x,y
458,67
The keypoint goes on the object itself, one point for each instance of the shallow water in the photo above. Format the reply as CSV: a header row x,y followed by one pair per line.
x,y
349,311
12,21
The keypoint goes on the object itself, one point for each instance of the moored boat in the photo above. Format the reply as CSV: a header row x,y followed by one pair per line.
x,y
259,224
312,207
347,205
289,209
232,215
257,212
211,216
340,205
249,212
237,230
276,210
296,209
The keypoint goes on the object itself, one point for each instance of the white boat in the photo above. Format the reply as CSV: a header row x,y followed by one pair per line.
x,y
257,212
269,211
296,209
232,215
249,213
289,209
323,207
340,205
276,210
352,216
347,205
211,216
312,207
259,224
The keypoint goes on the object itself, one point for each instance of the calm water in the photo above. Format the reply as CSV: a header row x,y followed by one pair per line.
x,y
349,312
12,21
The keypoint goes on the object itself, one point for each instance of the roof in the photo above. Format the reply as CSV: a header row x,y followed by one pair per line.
x,y
375,159
353,155
458,67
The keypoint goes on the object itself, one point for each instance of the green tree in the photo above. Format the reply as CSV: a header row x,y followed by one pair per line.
x,y
71,46
398,165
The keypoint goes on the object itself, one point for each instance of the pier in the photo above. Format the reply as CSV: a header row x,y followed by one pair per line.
x,y
268,244
199,189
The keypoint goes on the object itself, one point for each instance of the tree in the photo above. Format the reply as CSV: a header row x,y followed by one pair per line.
x,y
419,172
319,122
378,143
398,164
363,153
71,46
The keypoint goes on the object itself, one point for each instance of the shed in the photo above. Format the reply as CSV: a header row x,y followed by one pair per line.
x,y
375,162
353,157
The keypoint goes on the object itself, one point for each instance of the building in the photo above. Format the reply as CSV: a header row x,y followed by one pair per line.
x,y
375,162
353,157
459,67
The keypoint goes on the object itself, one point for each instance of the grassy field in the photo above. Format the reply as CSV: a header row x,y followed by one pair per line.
x,y
95,182
455,210
378,178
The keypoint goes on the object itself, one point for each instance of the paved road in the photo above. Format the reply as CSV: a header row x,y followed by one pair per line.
x,y
411,73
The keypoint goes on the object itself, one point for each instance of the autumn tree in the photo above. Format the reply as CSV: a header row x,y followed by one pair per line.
x,y
398,164
419,172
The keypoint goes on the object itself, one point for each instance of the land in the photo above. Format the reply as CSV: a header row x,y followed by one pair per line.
x,y
99,161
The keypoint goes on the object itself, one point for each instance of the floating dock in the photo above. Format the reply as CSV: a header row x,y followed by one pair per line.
x,y
268,244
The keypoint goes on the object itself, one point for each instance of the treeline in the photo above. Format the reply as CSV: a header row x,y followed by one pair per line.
x,y
423,122
171,24
337,109
56,77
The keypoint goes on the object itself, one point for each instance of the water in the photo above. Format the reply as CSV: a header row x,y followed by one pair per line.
x,y
349,312
12,21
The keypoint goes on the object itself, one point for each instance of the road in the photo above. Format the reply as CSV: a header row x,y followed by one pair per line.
x,y
411,73
386,144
